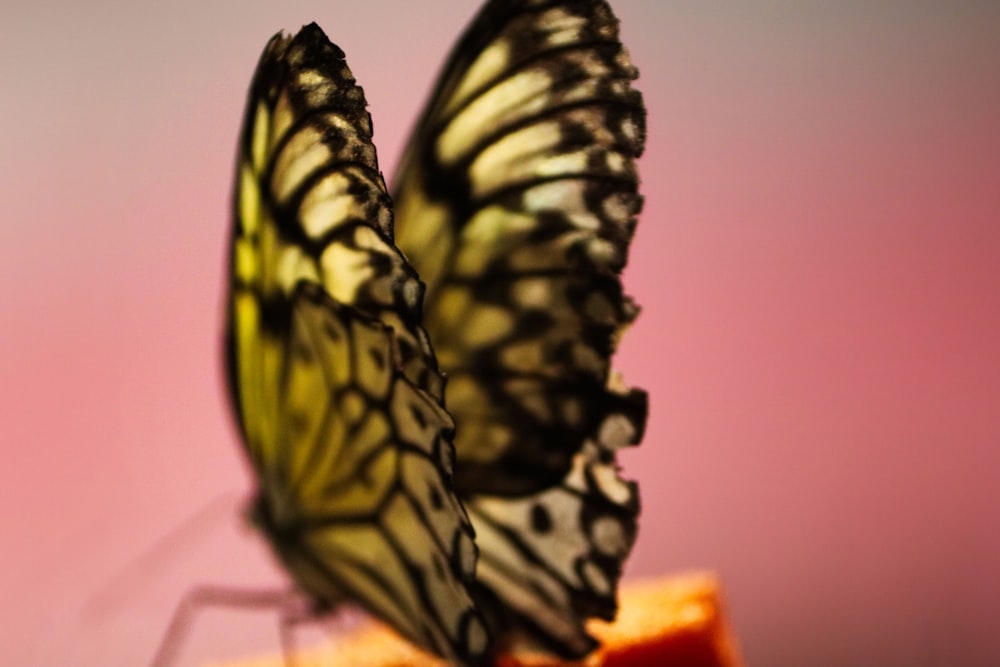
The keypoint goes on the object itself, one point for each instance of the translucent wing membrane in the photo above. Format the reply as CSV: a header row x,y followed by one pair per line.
x,y
516,202
333,380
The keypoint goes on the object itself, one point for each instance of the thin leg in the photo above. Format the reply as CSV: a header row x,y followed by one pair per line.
x,y
291,616
215,596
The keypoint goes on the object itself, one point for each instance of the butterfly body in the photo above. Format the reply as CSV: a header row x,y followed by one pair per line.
x,y
488,512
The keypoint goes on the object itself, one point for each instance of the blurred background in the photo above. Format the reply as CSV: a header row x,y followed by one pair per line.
x,y
818,263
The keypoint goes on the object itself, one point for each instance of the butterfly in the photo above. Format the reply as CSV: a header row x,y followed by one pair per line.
x,y
422,382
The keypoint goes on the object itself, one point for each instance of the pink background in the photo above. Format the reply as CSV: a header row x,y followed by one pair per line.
x,y
818,264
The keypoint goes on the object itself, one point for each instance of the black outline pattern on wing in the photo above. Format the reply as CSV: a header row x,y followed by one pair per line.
x,y
516,202
333,381
577,248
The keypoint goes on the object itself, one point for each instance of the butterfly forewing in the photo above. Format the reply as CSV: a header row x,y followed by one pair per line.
x,y
516,202
333,379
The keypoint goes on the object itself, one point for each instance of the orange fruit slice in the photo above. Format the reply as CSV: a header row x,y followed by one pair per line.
x,y
675,621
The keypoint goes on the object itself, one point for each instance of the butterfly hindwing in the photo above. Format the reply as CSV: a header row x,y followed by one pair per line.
x,y
376,519
516,202
553,558
333,379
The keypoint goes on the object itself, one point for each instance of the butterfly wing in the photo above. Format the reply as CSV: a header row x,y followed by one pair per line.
x,y
553,558
516,202
335,387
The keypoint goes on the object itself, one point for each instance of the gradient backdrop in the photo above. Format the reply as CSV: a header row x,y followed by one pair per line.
x,y
818,263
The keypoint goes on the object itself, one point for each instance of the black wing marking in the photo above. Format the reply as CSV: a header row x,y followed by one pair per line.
x,y
553,558
358,505
516,202
334,383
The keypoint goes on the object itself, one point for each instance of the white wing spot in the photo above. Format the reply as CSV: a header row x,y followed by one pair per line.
x,y
608,537
629,129
611,485
595,578
617,208
617,430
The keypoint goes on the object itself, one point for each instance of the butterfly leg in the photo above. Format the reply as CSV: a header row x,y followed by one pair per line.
x,y
293,613
216,596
